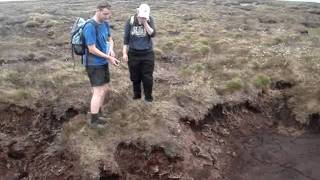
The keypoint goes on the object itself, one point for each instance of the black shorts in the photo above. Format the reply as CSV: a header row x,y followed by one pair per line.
x,y
98,75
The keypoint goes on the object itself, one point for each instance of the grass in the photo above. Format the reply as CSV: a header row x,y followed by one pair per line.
x,y
187,71
269,63
23,82
219,60
311,64
21,97
200,50
143,126
214,55
262,81
72,129
21,94
170,45
235,84
69,128
158,52
197,67
13,78
50,23
32,24
314,32
170,149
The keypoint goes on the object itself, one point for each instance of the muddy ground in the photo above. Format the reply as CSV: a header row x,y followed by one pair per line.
x,y
237,94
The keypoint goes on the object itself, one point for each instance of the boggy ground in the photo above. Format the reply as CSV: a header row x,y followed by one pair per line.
x,y
236,94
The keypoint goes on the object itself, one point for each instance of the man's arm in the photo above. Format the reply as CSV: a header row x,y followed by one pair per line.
x,y
94,50
90,37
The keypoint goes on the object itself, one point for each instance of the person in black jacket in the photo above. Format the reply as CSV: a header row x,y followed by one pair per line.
x,y
138,51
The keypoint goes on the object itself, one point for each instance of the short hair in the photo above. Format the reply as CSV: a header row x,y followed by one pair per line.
x,y
103,4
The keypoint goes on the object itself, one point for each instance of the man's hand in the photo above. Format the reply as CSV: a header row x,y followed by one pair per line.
x,y
114,61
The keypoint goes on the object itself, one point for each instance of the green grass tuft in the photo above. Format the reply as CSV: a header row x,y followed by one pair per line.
x,y
262,81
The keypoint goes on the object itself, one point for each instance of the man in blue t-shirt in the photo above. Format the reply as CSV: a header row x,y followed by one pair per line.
x,y
99,53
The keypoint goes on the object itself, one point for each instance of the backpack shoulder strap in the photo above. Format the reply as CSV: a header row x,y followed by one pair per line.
x,y
131,20
95,24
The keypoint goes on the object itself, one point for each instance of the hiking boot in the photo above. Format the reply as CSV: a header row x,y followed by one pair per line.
x,y
96,122
148,99
103,118
99,121
135,97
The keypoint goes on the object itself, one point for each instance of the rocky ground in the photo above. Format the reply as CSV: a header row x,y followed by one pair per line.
x,y
236,94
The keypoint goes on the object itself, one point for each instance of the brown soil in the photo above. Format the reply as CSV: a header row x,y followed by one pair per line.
x,y
247,133
28,147
236,101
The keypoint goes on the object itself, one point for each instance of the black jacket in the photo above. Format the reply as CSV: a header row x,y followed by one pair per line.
x,y
136,37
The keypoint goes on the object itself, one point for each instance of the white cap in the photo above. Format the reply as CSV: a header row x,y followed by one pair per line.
x,y
144,11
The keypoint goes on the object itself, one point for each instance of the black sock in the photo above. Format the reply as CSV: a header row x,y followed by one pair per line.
x,y
100,111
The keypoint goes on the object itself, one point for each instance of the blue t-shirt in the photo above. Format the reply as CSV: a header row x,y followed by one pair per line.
x,y
98,37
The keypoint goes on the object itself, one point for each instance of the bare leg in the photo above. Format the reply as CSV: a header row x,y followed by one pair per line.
x,y
96,100
106,88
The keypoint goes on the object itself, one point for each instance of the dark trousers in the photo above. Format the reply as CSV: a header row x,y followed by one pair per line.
x,y
141,66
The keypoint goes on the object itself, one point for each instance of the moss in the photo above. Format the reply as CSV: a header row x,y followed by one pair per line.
x,y
215,45
204,50
169,45
235,84
262,81
314,32
186,72
198,67
200,49
170,149
17,79
205,41
21,94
